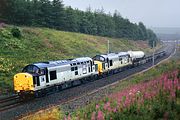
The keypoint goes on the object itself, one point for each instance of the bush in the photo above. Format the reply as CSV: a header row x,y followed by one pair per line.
x,y
16,32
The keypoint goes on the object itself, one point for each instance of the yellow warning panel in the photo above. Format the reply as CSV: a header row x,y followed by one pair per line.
x,y
23,82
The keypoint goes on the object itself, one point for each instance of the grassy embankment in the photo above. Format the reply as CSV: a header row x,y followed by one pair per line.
x,y
43,44
151,95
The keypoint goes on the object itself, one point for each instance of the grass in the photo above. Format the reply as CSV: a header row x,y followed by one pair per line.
x,y
160,106
50,114
43,44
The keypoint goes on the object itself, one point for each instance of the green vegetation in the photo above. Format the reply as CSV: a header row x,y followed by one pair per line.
x,y
157,97
146,98
53,14
20,46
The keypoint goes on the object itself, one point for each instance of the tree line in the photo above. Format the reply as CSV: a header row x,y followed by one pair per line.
x,y
54,14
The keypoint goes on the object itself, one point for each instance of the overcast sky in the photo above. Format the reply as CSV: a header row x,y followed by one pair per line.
x,y
153,13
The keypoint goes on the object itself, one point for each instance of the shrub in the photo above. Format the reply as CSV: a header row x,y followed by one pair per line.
x,y
16,32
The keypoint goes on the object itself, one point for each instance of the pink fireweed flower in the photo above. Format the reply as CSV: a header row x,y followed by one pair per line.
x,y
69,117
178,87
172,93
93,116
100,115
65,118
175,72
97,106
107,106
143,91
175,82
114,110
130,93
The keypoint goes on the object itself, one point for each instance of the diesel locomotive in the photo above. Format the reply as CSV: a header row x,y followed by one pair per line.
x,y
38,79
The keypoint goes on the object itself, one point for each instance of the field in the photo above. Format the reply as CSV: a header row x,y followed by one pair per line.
x,y
20,46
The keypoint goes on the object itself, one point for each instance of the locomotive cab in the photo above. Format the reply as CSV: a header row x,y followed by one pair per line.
x,y
29,80
39,75
102,64
23,82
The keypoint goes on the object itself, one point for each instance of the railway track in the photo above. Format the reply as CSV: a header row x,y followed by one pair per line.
x,y
69,94
9,102
5,99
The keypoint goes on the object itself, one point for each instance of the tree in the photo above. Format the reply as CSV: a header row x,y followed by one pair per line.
x,y
3,5
151,37
57,14
6,10
143,31
71,20
36,13
53,14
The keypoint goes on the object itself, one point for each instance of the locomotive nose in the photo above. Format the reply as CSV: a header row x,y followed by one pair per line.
x,y
23,82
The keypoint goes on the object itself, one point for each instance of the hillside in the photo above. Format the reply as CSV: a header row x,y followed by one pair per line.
x,y
43,44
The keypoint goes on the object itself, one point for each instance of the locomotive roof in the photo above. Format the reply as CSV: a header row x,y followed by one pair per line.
x,y
82,59
123,53
113,55
61,62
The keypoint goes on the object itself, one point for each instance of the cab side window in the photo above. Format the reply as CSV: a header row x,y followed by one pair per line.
x,y
111,63
53,75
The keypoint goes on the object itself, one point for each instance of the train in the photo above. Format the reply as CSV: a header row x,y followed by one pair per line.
x,y
38,79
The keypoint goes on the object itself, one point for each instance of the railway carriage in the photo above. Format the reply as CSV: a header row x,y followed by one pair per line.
x,y
137,57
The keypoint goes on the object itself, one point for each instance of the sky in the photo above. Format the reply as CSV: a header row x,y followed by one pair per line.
x,y
153,13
